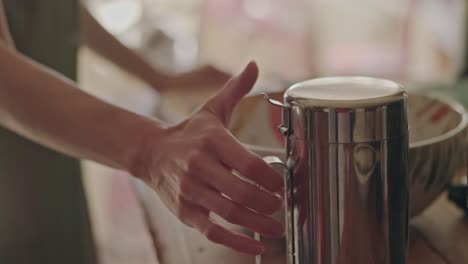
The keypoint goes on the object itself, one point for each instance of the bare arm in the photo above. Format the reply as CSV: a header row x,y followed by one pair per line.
x,y
42,105
104,43
101,41
189,165
48,108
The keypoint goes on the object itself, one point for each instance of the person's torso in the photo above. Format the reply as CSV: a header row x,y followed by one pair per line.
x,y
45,218
47,31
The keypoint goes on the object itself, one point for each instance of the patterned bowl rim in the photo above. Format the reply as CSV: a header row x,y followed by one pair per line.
x,y
454,105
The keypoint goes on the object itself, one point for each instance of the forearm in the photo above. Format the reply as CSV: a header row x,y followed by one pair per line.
x,y
102,42
46,107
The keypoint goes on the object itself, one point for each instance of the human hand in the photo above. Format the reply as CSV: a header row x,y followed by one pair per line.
x,y
206,77
191,167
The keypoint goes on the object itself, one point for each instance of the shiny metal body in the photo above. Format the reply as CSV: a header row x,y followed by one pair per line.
x,y
348,202
347,181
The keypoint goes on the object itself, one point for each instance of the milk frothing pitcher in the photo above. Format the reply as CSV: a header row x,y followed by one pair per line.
x,y
346,178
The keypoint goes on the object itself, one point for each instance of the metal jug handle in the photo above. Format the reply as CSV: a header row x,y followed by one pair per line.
x,y
287,250
285,127
276,163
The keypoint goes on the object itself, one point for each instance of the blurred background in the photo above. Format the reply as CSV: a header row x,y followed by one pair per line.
x,y
409,41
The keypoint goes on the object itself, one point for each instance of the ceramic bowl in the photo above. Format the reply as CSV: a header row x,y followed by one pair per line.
x,y
438,141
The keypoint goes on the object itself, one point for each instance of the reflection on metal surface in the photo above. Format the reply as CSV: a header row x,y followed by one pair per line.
x,y
364,157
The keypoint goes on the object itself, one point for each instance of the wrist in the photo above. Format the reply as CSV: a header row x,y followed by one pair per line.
x,y
158,80
162,82
141,157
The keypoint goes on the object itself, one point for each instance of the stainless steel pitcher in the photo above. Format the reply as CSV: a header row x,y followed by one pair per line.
x,y
346,197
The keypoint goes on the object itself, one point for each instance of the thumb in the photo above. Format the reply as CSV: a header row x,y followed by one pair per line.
x,y
223,103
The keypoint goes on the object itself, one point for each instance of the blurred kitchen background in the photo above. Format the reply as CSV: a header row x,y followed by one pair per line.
x,y
409,41
296,39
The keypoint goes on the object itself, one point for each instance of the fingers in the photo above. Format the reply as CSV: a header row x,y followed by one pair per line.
x,y
233,212
249,165
223,103
238,190
198,218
